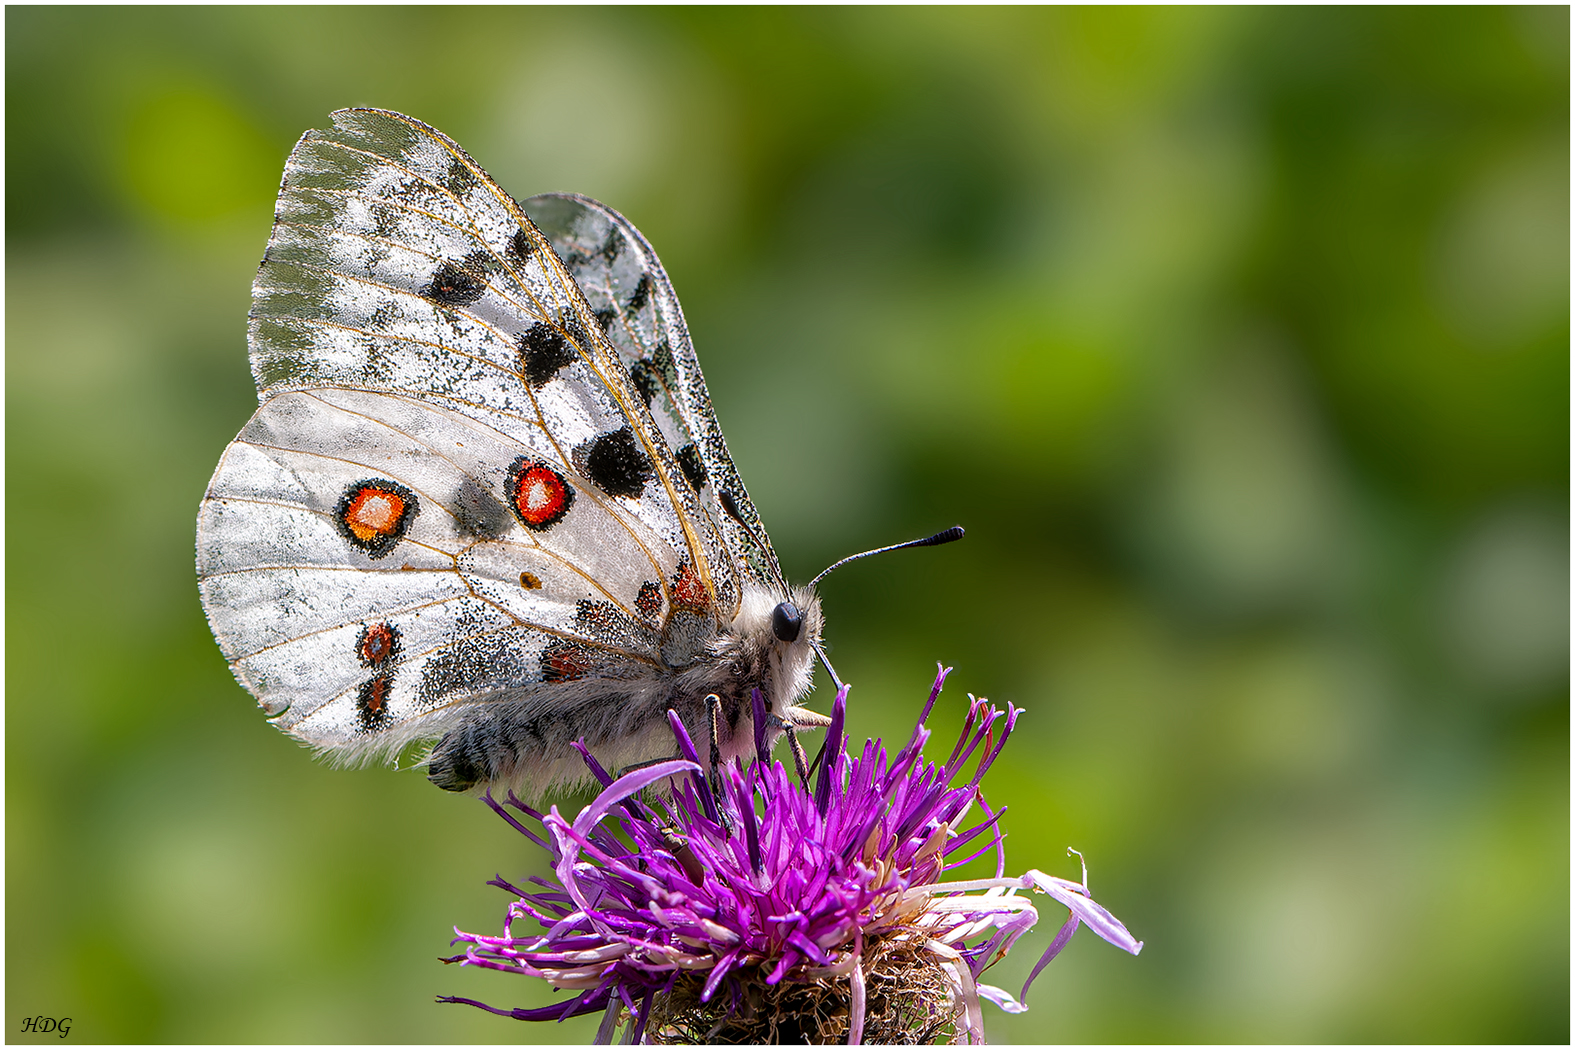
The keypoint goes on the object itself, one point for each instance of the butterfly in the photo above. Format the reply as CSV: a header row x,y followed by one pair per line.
x,y
484,500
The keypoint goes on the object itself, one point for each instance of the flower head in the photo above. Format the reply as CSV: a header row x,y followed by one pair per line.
x,y
762,906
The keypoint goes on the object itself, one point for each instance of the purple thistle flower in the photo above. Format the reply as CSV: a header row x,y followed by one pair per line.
x,y
756,907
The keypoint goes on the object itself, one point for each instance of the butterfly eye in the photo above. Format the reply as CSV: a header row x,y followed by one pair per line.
x,y
786,622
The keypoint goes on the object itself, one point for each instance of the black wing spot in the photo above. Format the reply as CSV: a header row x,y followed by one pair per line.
x,y
452,286
693,466
478,513
644,379
605,318
521,247
543,351
570,323
460,178
616,463
642,293
662,358
459,284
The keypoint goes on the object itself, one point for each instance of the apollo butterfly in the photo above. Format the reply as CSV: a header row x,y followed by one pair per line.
x,y
484,500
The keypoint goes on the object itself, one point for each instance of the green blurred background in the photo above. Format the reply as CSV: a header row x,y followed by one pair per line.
x,y
1238,339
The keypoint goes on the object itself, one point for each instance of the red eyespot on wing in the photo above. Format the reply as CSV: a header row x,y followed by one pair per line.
x,y
375,514
565,661
687,588
539,495
378,644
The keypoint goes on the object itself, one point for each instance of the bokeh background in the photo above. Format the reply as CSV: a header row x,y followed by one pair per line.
x,y
1238,339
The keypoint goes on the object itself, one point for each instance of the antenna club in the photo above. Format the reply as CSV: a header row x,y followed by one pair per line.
x,y
944,536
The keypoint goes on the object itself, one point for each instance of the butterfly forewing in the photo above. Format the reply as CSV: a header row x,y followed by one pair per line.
x,y
387,538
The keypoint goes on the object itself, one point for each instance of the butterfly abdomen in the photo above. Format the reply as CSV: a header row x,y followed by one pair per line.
x,y
527,744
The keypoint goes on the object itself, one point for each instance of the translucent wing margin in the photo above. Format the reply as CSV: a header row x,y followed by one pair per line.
x,y
637,311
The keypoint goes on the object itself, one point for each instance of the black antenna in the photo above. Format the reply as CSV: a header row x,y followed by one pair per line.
x,y
944,536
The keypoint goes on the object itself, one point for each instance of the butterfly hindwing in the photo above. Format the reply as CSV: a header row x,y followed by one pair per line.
x,y
472,601
637,310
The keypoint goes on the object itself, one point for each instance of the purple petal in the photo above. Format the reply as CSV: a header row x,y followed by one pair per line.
x,y
717,973
952,762
935,691
1063,935
687,746
759,711
590,762
1002,998
516,825
746,817
627,785
604,1030
1083,907
1000,844
636,1033
916,743
994,842
856,1007
987,759
555,1012
832,749
973,832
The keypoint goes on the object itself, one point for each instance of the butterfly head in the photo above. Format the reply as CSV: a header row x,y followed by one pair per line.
x,y
779,632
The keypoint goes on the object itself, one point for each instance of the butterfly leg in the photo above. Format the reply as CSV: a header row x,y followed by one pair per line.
x,y
819,756
713,705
